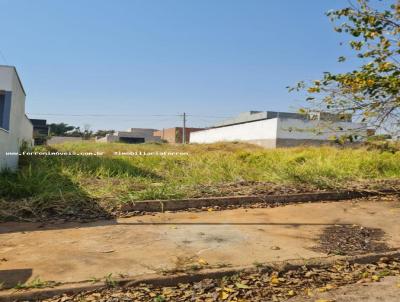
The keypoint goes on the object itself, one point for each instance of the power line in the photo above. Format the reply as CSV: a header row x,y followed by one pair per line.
x,y
101,115
128,115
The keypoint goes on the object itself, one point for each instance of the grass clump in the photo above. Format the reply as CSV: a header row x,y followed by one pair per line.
x,y
89,185
35,283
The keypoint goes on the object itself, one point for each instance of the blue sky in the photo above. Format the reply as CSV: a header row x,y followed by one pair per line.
x,y
130,61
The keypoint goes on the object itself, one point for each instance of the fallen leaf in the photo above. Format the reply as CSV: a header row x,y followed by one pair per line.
x,y
202,261
167,291
241,285
376,278
224,295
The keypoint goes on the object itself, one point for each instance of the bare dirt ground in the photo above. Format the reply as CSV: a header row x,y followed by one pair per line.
x,y
173,242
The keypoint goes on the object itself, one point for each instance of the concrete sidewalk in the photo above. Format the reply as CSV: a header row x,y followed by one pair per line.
x,y
173,241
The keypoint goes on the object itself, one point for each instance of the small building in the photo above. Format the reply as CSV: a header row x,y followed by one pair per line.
x,y
15,128
175,135
272,129
131,136
40,131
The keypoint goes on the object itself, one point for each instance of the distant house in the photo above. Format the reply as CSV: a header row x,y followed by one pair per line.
x,y
272,129
175,135
131,136
40,131
15,127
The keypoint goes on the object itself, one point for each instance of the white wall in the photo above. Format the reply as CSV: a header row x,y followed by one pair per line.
x,y
20,127
314,130
26,131
266,132
259,130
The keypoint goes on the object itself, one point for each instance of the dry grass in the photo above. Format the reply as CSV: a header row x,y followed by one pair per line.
x,y
70,185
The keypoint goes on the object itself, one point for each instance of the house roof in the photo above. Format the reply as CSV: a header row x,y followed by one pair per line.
x,y
16,72
38,122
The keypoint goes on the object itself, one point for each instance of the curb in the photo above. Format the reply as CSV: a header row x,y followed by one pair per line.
x,y
192,203
162,280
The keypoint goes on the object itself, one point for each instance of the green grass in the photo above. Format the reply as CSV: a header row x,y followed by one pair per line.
x,y
35,283
71,185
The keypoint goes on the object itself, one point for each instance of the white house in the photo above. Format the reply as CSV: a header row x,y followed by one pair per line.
x,y
15,127
278,129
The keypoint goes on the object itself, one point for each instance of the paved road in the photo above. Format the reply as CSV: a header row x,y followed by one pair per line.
x,y
172,241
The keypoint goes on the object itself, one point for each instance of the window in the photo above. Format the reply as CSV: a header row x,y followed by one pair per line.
x,y
5,108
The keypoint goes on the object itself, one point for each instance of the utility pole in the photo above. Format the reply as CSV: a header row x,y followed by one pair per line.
x,y
184,129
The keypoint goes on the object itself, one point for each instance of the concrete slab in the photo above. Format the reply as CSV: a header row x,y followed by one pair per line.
x,y
171,241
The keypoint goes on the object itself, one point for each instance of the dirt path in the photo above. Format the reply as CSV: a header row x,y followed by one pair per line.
x,y
178,241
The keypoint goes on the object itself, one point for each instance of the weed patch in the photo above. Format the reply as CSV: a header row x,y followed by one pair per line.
x,y
48,186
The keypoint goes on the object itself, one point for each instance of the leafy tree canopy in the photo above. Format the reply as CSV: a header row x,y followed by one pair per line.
x,y
103,133
371,93
60,129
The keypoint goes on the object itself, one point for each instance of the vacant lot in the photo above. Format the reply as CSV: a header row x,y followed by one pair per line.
x,y
67,185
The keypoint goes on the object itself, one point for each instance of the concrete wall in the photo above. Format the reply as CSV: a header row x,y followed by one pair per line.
x,y
26,131
278,132
259,132
141,131
296,129
20,128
